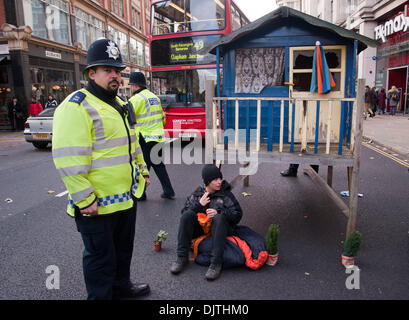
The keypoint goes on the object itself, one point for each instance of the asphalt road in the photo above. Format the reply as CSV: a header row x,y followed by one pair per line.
x,y
35,233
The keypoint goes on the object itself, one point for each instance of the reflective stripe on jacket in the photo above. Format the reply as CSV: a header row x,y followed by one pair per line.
x,y
149,115
97,154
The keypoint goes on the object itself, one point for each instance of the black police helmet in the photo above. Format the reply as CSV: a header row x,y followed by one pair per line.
x,y
103,52
137,78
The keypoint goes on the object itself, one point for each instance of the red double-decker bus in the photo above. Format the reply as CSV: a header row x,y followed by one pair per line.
x,y
180,28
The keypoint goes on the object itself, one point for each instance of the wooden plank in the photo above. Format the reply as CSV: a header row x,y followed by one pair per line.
x,y
258,125
209,143
236,125
281,126
353,194
317,126
216,129
328,190
304,126
329,127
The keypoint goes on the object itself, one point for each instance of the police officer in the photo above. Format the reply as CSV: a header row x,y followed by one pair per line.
x,y
150,123
96,152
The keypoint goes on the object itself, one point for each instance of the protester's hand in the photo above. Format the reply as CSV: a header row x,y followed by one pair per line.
x,y
204,200
211,212
148,181
92,210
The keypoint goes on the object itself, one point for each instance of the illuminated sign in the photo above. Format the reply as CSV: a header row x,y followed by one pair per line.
x,y
399,23
185,51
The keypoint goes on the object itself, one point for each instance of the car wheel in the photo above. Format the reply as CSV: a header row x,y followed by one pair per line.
x,y
40,145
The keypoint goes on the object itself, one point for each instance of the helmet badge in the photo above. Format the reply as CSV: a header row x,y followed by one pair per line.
x,y
112,50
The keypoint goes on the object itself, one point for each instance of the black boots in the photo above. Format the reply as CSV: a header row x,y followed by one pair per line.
x,y
289,173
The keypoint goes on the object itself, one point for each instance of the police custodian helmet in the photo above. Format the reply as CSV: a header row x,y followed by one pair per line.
x,y
103,52
137,78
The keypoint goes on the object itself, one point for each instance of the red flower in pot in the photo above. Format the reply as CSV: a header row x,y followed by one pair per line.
x,y
157,244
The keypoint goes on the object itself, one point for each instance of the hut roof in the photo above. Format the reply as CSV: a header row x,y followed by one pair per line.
x,y
285,12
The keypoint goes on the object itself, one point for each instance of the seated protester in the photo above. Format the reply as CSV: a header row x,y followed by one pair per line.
x,y
218,203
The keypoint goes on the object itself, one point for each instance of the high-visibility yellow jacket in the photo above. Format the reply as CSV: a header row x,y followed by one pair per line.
x,y
97,154
150,117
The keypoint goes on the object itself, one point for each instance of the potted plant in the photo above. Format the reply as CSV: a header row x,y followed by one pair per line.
x,y
272,244
161,236
351,247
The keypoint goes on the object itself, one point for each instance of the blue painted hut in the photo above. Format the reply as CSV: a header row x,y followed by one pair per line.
x,y
273,57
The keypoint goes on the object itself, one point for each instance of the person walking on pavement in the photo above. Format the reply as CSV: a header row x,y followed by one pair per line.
x,y
394,99
16,114
216,200
367,104
381,101
96,152
34,108
51,102
374,100
150,123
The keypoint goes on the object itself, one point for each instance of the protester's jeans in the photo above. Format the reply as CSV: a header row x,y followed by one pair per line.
x,y
189,228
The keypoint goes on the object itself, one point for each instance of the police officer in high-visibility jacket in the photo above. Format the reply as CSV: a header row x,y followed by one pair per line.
x,y
96,152
150,124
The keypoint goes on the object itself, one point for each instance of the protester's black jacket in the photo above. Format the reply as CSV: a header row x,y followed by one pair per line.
x,y
223,201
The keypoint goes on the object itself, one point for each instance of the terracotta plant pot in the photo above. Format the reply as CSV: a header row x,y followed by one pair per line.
x,y
157,246
347,261
272,259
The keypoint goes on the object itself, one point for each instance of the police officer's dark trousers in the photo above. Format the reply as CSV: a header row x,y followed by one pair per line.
x,y
155,160
189,228
108,242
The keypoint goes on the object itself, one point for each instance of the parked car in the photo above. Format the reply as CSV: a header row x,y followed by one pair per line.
x,y
38,129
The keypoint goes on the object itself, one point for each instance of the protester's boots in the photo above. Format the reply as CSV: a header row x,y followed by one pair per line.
x,y
179,264
213,272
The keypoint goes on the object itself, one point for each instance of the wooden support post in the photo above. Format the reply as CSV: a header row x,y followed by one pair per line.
x,y
349,173
329,175
329,127
328,190
209,147
358,126
258,125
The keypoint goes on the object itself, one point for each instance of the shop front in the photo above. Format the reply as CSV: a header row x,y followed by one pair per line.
x,y
392,67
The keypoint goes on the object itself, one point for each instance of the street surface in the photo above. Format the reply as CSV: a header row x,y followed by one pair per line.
x,y
36,233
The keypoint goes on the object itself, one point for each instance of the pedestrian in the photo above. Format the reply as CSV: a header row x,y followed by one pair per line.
x,y
151,122
96,152
35,107
216,200
374,100
367,104
16,114
51,102
394,99
381,101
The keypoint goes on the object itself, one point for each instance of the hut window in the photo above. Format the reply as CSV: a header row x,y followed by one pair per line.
x,y
257,68
302,62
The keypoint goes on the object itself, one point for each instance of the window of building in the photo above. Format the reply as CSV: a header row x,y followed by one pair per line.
x,y
88,28
136,18
133,50
121,40
49,19
146,56
117,7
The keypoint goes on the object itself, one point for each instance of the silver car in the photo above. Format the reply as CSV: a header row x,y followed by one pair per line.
x,y
38,129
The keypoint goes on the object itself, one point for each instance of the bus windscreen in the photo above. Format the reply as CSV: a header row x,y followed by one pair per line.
x,y
181,51
188,15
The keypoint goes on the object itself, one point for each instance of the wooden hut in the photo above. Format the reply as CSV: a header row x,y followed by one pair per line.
x,y
264,106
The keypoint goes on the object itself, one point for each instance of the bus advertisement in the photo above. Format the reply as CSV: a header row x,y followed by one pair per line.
x,y
179,29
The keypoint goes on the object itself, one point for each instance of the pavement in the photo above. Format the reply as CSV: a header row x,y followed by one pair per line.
x,y
391,132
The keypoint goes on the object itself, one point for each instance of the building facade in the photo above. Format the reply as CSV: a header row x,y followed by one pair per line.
x,y
43,44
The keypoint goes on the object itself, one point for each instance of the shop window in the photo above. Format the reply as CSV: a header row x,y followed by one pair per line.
x,y
257,68
49,19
